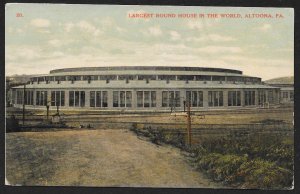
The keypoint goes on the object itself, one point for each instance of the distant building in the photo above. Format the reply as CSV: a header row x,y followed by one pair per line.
x,y
145,88
13,81
286,85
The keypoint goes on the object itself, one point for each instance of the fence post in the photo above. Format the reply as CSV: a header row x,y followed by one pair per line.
x,y
24,98
189,124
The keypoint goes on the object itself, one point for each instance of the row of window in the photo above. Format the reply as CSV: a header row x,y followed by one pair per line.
x,y
20,97
144,98
146,77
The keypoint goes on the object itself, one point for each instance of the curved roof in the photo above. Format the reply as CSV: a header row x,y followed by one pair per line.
x,y
142,68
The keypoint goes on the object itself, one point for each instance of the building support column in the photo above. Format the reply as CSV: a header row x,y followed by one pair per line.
x,y
158,98
87,98
256,97
205,99
134,99
225,98
66,98
242,98
109,99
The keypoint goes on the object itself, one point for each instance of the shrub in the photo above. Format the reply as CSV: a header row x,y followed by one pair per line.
x,y
242,172
264,174
222,167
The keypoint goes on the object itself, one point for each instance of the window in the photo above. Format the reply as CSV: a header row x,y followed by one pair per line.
x,y
285,95
270,96
13,97
128,98
218,78
41,79
261,97
153,99
165,102
57,98
49,78
74,78
122,98
146,98
60,78
98,99
166,77
76,98
41,98
20,97
249,98
29,97
107,77
234,79
185,77
215,98
146,77
171,99
234,98
203,77
126,77
195,98
292,96
90,77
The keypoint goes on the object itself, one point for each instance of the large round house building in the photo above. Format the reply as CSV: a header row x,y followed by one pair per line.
x,y
158,88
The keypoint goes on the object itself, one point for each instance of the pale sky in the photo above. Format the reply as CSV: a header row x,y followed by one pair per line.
x,y
50,36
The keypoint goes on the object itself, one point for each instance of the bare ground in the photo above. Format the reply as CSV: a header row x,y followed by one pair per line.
x,y
97,158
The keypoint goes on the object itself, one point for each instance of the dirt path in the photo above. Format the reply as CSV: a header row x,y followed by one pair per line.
x,y
97,158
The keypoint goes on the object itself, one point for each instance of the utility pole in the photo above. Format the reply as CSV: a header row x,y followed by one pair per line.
x,y
24,98
47,107
189,138
57,109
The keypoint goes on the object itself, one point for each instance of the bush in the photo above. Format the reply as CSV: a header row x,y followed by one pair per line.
x,y
264,174
222,167
241,172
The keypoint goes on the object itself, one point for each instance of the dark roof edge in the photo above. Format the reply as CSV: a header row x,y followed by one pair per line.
x,y
141,68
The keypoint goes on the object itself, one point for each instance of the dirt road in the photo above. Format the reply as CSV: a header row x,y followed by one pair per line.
x,y
96,158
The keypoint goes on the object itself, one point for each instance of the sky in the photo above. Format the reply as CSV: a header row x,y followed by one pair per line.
x,y
54,36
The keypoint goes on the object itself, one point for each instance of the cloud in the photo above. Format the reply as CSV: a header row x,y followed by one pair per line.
x,y
59,43
219,38
57,54
120,30
211,37
220,49
268,68
84,26
40,23
69,26
194,25
175,35
55,43
20,53
265,27
155,31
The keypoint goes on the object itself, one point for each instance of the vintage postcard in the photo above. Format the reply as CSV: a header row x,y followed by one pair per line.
x,y
149,96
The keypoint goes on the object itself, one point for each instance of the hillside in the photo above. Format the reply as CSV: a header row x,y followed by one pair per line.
x,y
281,80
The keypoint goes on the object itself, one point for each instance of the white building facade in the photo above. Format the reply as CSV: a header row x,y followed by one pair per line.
x,y
144,88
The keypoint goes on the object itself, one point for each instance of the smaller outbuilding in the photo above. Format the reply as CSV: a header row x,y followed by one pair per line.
x,y
286,85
